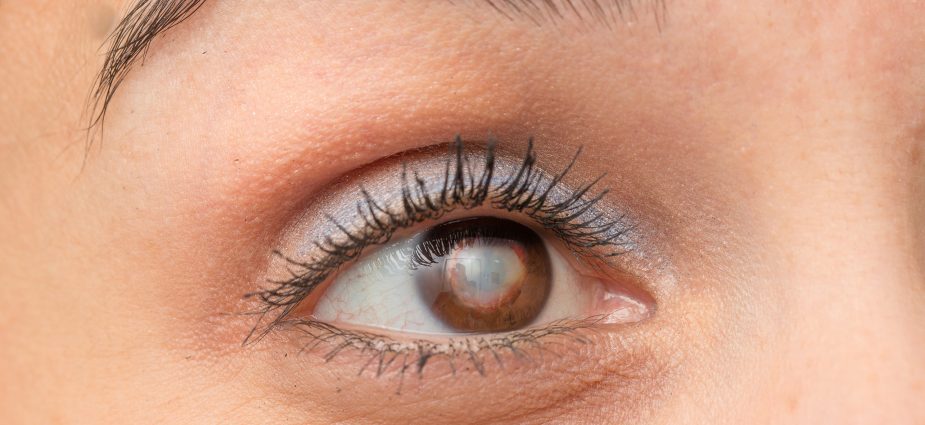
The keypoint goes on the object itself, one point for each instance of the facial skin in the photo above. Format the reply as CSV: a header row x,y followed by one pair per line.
x,y
771,153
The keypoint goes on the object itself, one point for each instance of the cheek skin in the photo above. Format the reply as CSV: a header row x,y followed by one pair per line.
x,y
801,297
228,184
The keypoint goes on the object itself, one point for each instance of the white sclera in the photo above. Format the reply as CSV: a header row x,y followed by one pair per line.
x,y
379,291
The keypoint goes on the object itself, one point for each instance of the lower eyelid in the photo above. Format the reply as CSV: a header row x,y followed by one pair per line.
x,y
577,290
380,352
330,340
558,370
555,372
339,211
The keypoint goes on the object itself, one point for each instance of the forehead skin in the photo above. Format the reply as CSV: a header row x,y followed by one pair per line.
x,y
776,145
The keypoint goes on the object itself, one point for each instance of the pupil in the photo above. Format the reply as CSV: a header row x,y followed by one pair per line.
x,y
485,274
486,277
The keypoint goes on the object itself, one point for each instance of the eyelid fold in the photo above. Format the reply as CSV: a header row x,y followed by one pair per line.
x,y
429,185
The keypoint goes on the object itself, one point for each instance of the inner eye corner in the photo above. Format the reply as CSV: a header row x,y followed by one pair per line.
x,y
459,281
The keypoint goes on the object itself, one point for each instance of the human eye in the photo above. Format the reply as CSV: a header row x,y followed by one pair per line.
x,y
453,251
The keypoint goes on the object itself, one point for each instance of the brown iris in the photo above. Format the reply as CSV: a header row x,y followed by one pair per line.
x,y
483,274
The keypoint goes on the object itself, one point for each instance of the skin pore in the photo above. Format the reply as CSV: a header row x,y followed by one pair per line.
x,y
770,154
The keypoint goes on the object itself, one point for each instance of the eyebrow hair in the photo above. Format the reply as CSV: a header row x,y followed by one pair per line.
x,y
129,43
148,19
606,12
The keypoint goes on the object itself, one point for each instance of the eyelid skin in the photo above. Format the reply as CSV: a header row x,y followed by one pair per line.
x,y
558,377
547,368
430,185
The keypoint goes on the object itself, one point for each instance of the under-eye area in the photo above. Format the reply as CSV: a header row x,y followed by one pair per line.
x,y
463,254
462,212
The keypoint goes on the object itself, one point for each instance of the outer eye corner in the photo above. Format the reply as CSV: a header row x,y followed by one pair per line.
x,y
477,270
473,275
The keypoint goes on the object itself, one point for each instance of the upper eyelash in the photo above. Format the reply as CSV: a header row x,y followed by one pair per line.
x,y
428,252
527,190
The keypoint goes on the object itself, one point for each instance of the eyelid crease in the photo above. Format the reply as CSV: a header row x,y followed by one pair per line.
x,y
571,214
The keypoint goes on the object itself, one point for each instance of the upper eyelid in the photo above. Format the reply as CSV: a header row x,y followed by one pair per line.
x,y
147,20
540,192
579,218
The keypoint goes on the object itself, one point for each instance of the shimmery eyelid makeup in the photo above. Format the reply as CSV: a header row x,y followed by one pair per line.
x,y
426,188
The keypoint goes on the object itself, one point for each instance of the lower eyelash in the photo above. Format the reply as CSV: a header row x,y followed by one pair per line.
x,y
573,218
417,354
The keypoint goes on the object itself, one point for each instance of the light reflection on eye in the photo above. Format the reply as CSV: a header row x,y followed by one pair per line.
x,y
480,275
477,275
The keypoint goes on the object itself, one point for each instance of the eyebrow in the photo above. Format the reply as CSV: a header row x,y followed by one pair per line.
x,y
148,19
606,12
129,43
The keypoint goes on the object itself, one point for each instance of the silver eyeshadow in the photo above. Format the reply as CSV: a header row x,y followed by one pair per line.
x,y
343,205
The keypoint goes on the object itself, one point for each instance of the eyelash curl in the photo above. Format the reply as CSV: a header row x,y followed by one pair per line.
x,y
527,190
